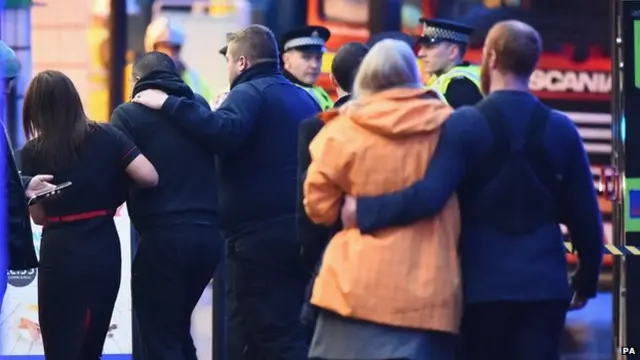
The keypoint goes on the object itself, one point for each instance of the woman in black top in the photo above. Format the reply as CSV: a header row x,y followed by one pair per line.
x,y
80,263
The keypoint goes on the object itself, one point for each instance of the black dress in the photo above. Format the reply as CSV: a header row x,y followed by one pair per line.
x,y
80,263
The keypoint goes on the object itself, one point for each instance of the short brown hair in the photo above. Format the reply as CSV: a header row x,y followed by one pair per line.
x,y
255,42
517,46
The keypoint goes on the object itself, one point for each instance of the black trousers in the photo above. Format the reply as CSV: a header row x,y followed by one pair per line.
x,y
513,330
78,283
239,343
265,295
171,268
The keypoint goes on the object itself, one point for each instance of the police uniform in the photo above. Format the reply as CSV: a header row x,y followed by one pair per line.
x,y
308,38
460,85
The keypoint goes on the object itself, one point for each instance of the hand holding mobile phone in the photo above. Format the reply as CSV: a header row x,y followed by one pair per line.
x,y
39,197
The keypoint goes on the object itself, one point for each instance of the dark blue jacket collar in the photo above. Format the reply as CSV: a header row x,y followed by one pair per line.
x,y
262,69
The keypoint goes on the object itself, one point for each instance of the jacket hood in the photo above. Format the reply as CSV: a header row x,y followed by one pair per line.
x,y
167,81
396,112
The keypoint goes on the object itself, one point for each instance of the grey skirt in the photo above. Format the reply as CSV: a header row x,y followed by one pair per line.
x,y
339,338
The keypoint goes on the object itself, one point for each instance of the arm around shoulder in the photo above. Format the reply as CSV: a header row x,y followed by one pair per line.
x,y
429,195
223,129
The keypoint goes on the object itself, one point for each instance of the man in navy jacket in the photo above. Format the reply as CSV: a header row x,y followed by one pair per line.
x,y
254,133
519,170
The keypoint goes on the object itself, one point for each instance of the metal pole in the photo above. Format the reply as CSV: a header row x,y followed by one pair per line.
x,y
617,113
117,54
118,49
628,270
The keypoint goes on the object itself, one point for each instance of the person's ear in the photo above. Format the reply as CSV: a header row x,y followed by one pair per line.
x,y
244,63
492,59
286,57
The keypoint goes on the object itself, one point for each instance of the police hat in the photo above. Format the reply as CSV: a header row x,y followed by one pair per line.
x,y
394,35
9,63
437,30
306,38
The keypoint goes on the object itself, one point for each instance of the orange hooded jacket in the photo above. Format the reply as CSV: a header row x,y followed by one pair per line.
x,y
403,276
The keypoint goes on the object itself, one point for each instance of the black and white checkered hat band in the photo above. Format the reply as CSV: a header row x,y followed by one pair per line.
x,y
444,34
304,41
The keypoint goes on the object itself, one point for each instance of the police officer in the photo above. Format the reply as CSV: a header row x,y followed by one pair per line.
x,y
302,51
165,36
442,47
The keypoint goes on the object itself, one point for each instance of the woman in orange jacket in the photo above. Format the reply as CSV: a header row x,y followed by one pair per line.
x,y
395,294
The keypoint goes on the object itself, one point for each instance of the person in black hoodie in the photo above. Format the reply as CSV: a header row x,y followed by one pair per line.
x,y
180,242
255,135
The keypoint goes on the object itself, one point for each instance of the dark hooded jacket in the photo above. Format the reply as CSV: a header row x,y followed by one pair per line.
x,y
21,251
187,190
313,238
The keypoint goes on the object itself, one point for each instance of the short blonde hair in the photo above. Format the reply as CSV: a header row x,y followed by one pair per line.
x,y
390,63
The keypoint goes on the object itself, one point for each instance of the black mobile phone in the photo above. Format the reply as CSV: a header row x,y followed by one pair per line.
x,y
39,197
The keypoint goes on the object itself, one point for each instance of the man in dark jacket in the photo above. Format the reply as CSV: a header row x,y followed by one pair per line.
x,y
343,72
519,169
254,134
177,221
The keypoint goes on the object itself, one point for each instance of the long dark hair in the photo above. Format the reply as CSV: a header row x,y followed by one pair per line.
x,y
53,116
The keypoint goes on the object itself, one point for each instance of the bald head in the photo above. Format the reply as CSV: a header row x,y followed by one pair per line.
x,y
513,47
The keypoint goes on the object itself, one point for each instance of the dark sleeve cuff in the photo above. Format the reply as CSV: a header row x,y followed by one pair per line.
x,y
130,155
170,105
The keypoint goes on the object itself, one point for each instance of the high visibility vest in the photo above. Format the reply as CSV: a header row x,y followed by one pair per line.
x,y
432,80
471,73
321,96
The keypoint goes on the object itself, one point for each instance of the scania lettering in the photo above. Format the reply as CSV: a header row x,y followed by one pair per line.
x,y
563,81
